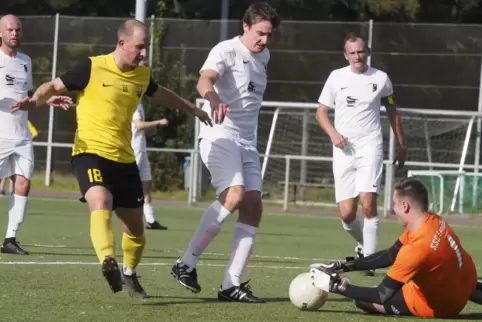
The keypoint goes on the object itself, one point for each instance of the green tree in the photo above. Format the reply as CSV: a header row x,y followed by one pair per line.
x,y
169,70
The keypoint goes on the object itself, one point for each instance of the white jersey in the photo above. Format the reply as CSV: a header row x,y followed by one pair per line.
x,y
15,82
241,85
138,136
356,99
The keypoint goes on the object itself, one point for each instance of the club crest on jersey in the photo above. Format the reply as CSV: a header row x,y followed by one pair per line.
x,y
350,101
125,88
139,90
374,87
9,80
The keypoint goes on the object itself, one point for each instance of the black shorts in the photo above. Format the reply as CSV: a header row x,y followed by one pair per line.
x,y
396,305
121,179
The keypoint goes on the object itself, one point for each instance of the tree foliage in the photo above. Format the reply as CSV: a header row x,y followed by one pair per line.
x,y
170,72
453,11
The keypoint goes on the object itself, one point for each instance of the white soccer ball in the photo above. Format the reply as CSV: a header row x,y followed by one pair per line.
x,y
304,295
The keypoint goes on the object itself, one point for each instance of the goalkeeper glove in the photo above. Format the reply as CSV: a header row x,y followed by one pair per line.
x,y
337,266
328,280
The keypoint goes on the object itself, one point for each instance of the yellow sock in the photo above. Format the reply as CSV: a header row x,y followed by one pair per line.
x,y
101,233
133,248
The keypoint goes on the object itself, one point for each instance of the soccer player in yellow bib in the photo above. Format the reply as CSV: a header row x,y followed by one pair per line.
x,y
33,130
110,88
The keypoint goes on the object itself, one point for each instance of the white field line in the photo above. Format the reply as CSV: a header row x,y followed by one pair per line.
x,y
74,263
150,264
180,252
289,214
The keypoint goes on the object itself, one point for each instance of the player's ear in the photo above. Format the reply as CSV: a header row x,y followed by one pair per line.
x,y
246,27
406,206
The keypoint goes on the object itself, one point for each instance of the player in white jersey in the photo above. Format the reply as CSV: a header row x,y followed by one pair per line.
x,y
356,92
233,80
16,151
139,129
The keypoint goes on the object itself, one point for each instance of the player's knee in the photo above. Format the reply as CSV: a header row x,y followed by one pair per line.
x,y
147,198
251,209
98,198
369,204
232,198
369,211
348,210
22,186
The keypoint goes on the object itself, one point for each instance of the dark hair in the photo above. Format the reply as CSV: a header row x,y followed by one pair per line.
x,y
413,189
260,11
352,37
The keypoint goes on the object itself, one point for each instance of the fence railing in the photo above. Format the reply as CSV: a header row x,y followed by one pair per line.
x,y
433,67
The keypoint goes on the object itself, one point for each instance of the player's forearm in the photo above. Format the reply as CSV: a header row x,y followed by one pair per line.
x,y
143,125
379,295
205,88
396,124
365,294
381,259
324,121
170,99
43,93
377,260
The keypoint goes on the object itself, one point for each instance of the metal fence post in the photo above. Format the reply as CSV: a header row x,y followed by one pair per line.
x,y
48,165
370,41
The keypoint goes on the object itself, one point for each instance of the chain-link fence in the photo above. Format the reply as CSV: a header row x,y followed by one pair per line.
x,y
431,66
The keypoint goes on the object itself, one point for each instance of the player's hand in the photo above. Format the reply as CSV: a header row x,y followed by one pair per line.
x,y
60,101
339,140
328,281
162,122
25,103
401,157
202,116
218,111
336,266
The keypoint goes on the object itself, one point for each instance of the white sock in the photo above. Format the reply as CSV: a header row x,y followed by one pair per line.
x,y
209,227
128,271
149,213
370,235
241,250
17,210
355,230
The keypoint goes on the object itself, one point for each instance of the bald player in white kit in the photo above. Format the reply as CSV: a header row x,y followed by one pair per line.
x,y
233,80
357,92
16,151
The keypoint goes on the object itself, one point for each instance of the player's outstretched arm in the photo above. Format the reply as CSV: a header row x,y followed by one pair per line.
x,y
165,97
46,93
376,295
146,125
380,259
397,127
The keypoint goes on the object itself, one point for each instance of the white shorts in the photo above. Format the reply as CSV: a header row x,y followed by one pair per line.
x,y
231,164
356,173
18,160
144,167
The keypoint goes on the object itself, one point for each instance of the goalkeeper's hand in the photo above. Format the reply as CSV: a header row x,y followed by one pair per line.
x,y
336,266
328,280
